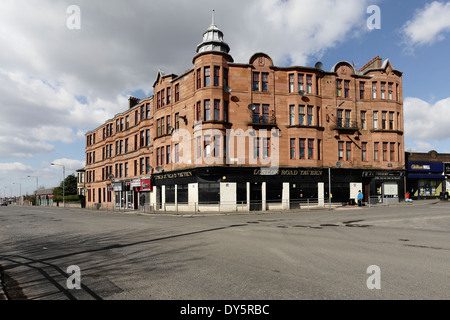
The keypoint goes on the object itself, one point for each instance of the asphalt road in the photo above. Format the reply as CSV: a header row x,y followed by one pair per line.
x,y
315,255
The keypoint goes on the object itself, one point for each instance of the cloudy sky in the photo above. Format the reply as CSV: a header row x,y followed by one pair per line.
x,y
58,81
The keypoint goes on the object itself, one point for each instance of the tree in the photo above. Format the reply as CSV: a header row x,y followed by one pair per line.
x,y
70,186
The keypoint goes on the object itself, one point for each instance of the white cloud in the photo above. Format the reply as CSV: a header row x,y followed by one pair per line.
x,y
428,24
69,164
120,46
426,121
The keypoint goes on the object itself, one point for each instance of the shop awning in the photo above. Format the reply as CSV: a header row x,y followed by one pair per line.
x,y
425,176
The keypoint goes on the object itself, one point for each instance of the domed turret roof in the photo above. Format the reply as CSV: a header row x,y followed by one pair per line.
x,y
213,40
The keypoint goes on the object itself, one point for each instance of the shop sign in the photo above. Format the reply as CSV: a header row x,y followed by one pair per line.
x,y
146,185
136,183
447,168
118,186
174,175
285,172
426,167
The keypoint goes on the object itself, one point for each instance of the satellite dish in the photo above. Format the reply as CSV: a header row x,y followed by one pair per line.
x,y
228,89
251,107
234,98
159,168
319,65
339,164
302,93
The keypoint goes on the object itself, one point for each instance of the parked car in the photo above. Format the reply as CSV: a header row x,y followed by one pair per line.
x,y
3,204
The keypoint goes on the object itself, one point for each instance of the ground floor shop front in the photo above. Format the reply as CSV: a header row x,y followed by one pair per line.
x,y
255,189
224,189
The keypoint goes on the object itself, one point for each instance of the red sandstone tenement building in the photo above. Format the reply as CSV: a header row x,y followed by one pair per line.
x,y
253,136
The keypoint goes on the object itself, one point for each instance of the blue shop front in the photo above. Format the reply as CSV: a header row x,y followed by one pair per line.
x,y
425,180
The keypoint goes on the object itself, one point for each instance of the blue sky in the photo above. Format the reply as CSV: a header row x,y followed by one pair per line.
x,y
56,83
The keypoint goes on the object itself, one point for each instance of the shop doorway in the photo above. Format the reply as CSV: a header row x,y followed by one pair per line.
x,y
255,196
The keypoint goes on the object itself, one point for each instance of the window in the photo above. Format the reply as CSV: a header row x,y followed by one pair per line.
x,y
339,118
308,83
199,111
126,169
256,114
347,118
347,88
198,146
177,92
169,97
319,146
199,78
391,120
390,91
225,111
163,132
207,110
216,76
117,127
362,94
217,110
162,155
392,151
363,120
385,146
292,148
207,145
341,150
117,149
147,165
291,83
135,143
397,92
225,77
291,115
364,151
136,167
177,153
383,90
310,115
265,146
136,117
217,146
158,100
348,150
142,112
374,90
147,137
383,120
142,165
255,81
301,150
375,151
177,121
338,88
310,148
147,110
301,115
265,82
265,113
163,98
256,148
158,127
121,170
207,76
121,146
167,154
158,156
375,120
300,82
169,124
142,135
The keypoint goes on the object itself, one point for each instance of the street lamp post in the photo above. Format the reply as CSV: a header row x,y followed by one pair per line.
x,y
64,175
20,188
37,183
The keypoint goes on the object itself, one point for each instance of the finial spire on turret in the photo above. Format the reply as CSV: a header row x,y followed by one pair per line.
x,y
213,13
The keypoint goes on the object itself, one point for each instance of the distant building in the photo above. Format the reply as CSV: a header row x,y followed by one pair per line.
x,y
252,136
428,174
44,197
